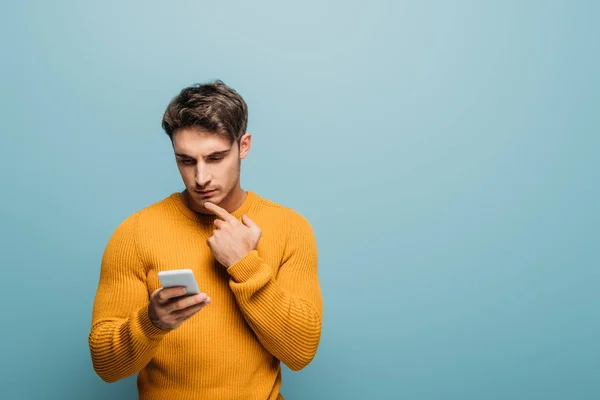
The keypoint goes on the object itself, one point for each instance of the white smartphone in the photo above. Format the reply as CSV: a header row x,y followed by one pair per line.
x,y
179,277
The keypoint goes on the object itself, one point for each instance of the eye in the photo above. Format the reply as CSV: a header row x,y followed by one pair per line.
x,y
215,159
186,161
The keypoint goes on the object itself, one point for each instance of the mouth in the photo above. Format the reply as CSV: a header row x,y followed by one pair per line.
x,y
205,193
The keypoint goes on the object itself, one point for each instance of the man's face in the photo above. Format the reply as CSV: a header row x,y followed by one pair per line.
x,y
209,165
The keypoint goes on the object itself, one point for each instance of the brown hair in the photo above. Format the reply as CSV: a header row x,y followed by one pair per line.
x,y
213,107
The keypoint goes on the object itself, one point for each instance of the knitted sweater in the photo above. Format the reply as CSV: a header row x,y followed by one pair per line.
x,y
264,309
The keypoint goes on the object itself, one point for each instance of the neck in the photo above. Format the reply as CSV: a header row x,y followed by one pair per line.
x,y
234,199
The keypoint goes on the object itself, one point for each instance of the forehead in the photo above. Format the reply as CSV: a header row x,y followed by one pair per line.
x,y
195,142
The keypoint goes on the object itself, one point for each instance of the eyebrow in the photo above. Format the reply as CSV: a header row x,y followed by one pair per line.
x,y
214,153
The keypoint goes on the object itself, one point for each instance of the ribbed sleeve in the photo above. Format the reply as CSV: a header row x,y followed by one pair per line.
x,y
122,341
283,311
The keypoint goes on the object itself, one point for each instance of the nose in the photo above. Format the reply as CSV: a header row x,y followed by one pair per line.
x,y
202,175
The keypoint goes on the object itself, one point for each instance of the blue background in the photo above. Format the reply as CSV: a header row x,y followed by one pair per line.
x,y
446,154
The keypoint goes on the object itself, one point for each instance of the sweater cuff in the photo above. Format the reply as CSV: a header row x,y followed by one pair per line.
x,y
147,328
247,267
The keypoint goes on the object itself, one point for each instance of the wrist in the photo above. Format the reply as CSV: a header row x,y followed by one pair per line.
x,y
147,326
237,259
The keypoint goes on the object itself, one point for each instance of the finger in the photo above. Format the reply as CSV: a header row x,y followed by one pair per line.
x,y
186,313
186,302
219,223
218,211
249,223
252,225
166,294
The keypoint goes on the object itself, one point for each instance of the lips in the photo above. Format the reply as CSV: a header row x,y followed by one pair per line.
x,y
205,192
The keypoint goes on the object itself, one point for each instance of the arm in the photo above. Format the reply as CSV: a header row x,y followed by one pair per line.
x,y
122,339
284,311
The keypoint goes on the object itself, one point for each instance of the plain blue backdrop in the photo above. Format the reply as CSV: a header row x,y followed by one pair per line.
x,y
446,154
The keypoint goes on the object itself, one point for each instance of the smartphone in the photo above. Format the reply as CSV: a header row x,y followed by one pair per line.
x,y
179,277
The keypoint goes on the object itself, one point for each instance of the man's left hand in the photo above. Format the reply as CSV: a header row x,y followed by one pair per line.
x,y
231,240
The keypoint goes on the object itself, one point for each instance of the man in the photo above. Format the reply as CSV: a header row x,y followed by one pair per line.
x,y
255,262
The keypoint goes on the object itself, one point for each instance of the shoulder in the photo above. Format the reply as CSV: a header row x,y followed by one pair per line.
x,y
297,234
158,208
284,215
149,214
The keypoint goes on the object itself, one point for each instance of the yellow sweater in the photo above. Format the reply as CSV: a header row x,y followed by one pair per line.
x,y
265,308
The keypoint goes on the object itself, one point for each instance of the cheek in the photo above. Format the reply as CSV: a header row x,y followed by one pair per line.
x,y
224,172
187,174
232,171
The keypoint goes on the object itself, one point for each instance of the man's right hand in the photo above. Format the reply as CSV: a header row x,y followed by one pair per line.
x,y
168,309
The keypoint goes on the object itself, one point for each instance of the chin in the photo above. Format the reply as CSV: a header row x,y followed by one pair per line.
x,y
202,202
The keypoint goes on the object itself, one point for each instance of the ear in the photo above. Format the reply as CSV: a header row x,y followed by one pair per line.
x,y
245,142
